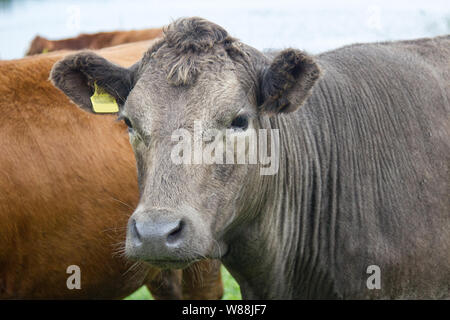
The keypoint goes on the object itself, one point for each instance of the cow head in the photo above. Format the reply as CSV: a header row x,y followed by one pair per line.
x,y
194,79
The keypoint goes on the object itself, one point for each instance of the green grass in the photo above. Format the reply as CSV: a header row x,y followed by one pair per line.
x,y
231,289
140,294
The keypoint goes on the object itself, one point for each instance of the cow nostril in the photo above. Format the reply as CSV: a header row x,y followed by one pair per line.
x,y
176,233
134,231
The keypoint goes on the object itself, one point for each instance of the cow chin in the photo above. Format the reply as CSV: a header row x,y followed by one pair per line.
x,y
178,259
169,264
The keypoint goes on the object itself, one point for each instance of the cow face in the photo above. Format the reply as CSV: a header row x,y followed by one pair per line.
x,y
196,89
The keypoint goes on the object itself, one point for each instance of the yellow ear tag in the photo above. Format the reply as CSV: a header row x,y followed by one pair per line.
x,y
103,102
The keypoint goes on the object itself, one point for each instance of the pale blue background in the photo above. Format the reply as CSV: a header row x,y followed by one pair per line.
x,y
310,25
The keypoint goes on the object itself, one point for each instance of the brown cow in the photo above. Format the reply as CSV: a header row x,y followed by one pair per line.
x,y
92,41
68,185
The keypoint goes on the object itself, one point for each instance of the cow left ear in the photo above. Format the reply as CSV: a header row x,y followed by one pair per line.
x,y
78,76
287,82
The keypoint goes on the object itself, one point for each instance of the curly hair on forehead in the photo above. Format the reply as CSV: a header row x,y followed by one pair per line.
x,y
183,44
191,35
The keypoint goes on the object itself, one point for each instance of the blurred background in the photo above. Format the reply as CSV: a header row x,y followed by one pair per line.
x,y
314,26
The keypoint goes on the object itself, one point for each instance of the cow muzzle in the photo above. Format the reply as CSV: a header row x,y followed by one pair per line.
x,y
160,237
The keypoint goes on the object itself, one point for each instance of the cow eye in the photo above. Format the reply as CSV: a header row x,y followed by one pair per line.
x,y
127,122
240,122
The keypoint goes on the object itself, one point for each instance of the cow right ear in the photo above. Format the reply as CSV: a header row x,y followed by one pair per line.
x,y
287,82
79,75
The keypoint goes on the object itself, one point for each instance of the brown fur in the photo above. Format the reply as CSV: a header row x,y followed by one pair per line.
x,y
92,41
68,185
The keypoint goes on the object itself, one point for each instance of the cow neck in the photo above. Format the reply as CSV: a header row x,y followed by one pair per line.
x,y
282,251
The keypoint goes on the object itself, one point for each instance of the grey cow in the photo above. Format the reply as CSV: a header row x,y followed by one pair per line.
x,y
363,177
